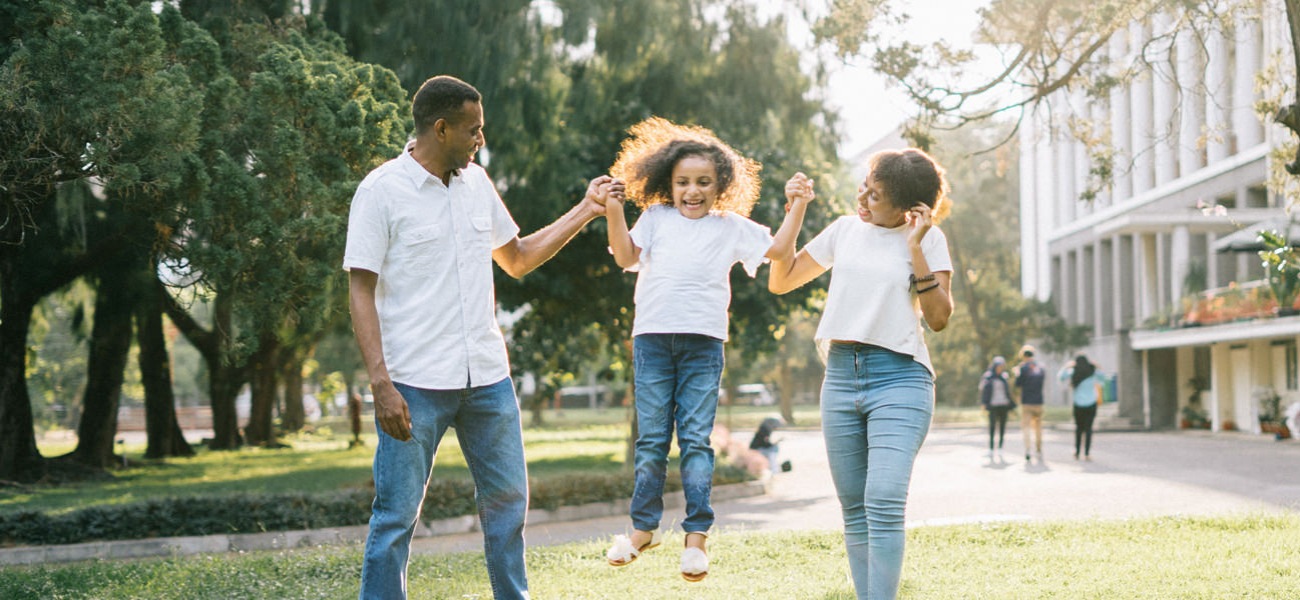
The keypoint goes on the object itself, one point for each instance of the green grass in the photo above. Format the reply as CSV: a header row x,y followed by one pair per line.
x,y
1201,558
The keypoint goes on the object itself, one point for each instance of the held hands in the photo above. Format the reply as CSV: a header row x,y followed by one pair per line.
x,y
798,188
598,192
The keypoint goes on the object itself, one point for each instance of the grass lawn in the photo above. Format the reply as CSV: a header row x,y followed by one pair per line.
x,y
1209,558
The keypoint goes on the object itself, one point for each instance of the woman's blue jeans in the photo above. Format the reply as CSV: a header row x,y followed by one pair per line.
x,y
488,428
677,378
876,410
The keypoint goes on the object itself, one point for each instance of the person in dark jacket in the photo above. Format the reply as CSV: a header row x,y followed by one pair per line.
x,y
995,395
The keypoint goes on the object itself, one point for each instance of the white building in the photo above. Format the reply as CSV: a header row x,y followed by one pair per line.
x,y
1120,263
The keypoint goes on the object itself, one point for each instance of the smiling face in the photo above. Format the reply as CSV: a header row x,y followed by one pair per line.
x,y
694,186
874,208
463,135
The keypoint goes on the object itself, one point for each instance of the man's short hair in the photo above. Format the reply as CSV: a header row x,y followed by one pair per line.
x,y
441,97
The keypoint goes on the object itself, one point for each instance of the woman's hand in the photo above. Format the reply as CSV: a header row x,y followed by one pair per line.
x,y
798,188
919,221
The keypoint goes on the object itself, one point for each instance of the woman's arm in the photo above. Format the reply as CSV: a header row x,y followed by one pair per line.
x,y
933,290
787,275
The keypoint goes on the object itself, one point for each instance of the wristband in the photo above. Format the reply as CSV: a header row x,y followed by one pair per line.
x,y
913,279
926,289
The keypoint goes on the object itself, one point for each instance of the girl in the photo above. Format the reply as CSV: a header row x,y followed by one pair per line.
x,y
695,192
1086,389
892,268
995,396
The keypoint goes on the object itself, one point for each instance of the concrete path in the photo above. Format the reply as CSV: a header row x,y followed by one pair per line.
x,y
1132,474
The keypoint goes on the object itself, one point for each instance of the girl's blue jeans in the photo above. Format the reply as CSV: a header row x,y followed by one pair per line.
x,y
677,378
876,410
487,426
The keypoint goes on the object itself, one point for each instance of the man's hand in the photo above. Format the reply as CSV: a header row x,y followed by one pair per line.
x,y
392,412
593,203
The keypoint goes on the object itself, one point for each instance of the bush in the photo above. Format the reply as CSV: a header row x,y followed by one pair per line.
x,y
255,513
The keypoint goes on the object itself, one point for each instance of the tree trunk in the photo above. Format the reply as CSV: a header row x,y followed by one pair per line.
x,y
294,416
19,459
110,343
164,434
786,392
260,430
224,378
1290,115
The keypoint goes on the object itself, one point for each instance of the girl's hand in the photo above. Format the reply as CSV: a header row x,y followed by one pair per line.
x,y
919,222
799,187
615,191
598,190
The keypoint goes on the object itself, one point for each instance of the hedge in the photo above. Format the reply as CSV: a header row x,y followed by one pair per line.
x,y
254,513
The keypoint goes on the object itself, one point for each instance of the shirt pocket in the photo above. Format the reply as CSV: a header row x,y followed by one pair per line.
x,y
481,226
421,242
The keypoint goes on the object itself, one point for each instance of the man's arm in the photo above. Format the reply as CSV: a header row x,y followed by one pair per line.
x,y
518,257
391,411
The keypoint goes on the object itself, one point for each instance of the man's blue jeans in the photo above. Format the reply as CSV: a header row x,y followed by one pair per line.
x,y
876,410
677,378
488,429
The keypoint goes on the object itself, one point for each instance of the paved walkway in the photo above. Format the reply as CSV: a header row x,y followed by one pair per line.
x,y
1132,474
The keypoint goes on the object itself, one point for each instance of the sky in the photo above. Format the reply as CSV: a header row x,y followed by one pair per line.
x,y
868,108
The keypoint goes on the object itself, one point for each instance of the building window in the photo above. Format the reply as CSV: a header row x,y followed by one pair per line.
x,y
1287,349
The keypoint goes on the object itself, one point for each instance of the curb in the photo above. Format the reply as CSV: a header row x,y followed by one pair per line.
x,y
282,540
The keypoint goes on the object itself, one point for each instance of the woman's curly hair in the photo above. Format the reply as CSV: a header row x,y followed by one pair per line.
x,y
910,177
654,146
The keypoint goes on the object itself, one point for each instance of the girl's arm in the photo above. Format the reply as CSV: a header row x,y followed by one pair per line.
x,y
626,254
798,193
790,270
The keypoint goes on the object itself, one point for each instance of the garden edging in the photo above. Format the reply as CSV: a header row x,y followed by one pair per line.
x,y
279,540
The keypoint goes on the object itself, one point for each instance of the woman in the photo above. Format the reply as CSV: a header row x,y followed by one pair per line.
x,y
891,269
995,396
1086,389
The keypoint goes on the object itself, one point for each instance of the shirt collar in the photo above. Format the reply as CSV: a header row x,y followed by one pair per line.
x,y
418,174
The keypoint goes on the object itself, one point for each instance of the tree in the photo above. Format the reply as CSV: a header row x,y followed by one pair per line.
x,y
86,93
293,125
1049,48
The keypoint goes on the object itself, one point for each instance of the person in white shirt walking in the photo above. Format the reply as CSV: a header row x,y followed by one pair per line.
x,y
696,193
892,273
423,232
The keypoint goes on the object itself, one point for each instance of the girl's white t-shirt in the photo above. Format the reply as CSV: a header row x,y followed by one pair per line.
x,y
684,272
870,298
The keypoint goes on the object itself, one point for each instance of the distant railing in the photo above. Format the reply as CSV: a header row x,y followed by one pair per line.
x,y
1236,302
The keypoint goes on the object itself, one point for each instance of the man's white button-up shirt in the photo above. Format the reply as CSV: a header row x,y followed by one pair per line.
x,y
431,245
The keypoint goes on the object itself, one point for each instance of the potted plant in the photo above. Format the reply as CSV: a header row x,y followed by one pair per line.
x,y
1281,264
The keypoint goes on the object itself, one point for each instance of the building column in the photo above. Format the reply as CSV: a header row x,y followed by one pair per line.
x,y
1191,105
1165,96
1142,132
1218,96
1180,254
1120,138
1147,276
1245,124
1126,300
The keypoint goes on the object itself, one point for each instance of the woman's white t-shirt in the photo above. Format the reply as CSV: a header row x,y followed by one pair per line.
x,y
870,298
684,280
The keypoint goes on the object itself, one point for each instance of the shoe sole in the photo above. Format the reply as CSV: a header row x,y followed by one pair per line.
x,y
634,557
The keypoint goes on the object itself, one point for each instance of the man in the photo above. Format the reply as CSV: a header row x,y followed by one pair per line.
x,y
423,232
1029,380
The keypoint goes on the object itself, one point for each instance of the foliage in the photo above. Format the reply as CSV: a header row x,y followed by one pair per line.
x,y
1281,264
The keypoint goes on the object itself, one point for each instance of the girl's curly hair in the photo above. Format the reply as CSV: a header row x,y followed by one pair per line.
x,y
910,177
654,146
